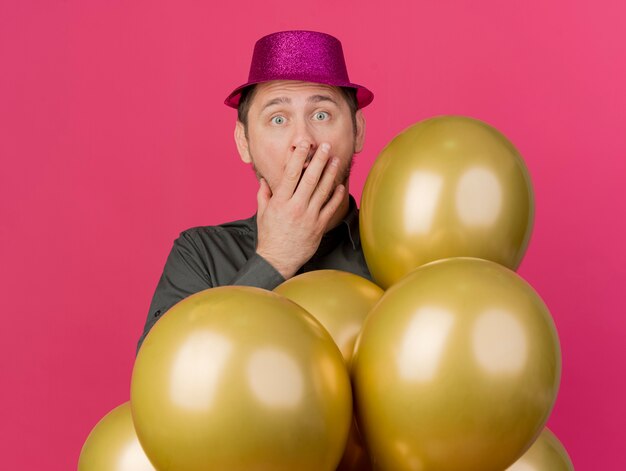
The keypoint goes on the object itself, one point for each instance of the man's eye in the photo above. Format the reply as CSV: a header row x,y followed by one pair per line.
x,y
321,115
278,120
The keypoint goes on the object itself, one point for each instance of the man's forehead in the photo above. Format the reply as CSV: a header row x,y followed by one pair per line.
x,y
288,88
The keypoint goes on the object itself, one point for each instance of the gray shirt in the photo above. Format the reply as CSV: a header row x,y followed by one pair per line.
x,y
210,256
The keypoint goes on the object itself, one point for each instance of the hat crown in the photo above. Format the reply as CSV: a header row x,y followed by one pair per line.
x,y
307,56
291,55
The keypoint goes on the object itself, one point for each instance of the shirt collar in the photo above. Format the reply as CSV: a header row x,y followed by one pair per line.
x,y
351,221
349,225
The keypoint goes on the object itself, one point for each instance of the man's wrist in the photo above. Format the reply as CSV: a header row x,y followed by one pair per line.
x,y
286,270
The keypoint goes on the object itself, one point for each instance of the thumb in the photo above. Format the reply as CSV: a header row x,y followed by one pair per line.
x,y
263,196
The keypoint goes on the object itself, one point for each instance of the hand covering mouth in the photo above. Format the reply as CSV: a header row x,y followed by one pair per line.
x,y
304,167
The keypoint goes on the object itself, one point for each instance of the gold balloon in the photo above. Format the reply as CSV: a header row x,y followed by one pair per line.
x,y
338,299
546,454
457,368
449,186
355,456
240,378
112,445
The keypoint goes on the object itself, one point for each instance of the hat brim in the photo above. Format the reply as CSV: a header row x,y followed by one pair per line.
x,y
363,96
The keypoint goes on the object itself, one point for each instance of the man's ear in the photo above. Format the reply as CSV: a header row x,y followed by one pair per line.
x,y
242,143
359,138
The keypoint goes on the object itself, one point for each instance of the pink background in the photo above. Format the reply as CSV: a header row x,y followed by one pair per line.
x,y
113,139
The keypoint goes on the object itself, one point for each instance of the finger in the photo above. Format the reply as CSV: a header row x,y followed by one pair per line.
x,y
293,171
263,196
324,189
333,204
311,177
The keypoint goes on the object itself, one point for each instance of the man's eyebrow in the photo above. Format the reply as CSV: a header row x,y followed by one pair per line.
x,y
277,101
320,98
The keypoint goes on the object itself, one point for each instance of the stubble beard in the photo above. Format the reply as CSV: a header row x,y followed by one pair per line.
x,y
343,180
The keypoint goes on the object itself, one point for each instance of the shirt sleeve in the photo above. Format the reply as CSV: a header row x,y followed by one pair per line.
x,y
184,274
258,272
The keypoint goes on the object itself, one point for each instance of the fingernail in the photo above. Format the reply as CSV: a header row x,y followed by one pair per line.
x,y
325,147
334,161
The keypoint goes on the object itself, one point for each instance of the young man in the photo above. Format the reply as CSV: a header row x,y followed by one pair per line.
x,y
299,125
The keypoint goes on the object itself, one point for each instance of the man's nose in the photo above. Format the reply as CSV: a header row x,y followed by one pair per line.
x,y
302,132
